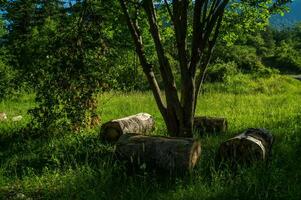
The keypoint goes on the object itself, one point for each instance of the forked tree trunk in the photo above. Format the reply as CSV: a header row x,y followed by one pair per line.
x,y
246,148
158,153
177,111
142,123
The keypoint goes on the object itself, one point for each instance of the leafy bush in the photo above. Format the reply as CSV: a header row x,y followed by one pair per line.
x,y
287,58
220,71
244,58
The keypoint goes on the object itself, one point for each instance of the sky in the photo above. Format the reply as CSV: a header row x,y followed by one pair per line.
x,y
294,16
288,19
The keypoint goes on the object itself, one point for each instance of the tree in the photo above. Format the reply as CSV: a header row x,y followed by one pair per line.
x,y
61,50
196,26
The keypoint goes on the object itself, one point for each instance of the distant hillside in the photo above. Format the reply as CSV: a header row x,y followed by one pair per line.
x,y
290,18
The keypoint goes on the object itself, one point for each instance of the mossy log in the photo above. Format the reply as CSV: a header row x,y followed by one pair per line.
x,y
151,153
204,125
141,123
246,148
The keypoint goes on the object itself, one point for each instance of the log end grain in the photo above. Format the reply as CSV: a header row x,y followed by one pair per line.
x,y
111,131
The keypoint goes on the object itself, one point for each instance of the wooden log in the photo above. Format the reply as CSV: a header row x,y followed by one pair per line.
x,y
141,123
204,125
165,154
246,148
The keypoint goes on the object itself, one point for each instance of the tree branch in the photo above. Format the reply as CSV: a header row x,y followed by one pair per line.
x,y
201,76
172,98
197,31
169,10
219,11
147,68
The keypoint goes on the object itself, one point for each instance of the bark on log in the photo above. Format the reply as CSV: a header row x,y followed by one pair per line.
x,y
246,148
210,125
141,123
165,154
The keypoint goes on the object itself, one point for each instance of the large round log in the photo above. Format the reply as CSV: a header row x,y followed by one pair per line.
x,y
153,153
246,148
141,123
204,125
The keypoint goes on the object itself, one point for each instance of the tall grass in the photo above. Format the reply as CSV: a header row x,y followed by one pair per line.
x,y
80,166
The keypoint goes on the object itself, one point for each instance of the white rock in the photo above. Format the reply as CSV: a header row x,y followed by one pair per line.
x,y
3,116
17,118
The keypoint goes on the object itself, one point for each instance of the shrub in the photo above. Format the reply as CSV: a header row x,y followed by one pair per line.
x,y
219,71
287,58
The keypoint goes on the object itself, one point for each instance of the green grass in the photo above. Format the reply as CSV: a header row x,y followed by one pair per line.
x,y
80,166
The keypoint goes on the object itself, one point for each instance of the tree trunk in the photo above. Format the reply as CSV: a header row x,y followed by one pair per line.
x,y
246,148
204,125
165,154
141,123
178,113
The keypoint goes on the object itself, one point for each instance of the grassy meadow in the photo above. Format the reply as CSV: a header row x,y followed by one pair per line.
x,y
79,166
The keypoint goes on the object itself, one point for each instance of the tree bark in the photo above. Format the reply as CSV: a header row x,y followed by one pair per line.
x,y
141,123
204,125
165,154
246,148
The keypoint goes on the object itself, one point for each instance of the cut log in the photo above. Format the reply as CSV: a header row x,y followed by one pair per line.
x,y
151,153
246,148
141,123
204,125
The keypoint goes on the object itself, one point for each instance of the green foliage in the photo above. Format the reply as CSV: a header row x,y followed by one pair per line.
x,y
3,31
243,18
245,59
220,71
6,80
287,58
284,53
68,54
7,74
265,52
63,54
